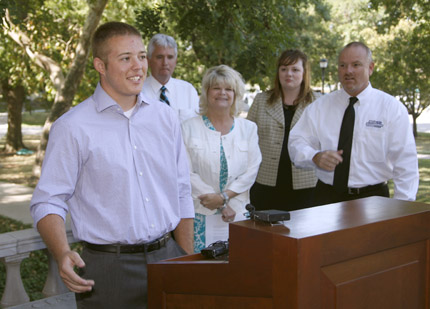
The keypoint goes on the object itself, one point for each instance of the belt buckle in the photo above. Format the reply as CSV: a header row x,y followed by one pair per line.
x,y
163,241
353,191
157,244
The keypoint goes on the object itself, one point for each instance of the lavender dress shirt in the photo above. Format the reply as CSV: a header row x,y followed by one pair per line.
x,y
123,180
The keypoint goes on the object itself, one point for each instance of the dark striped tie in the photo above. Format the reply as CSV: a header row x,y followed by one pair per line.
x,y
341,173
163,97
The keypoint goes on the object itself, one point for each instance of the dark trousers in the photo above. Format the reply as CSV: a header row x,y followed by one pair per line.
x,y
326,194
121,280
281,197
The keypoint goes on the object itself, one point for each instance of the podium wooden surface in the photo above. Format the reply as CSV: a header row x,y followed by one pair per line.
x,y
367,253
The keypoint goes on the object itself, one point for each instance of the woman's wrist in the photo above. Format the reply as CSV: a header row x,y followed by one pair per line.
x,y
225,199
224,206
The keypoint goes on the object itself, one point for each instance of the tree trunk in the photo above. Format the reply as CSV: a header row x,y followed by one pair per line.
x,y
64,97
414,124
14,96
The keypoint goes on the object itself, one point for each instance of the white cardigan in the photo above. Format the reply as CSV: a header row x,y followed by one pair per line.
x,y
243,160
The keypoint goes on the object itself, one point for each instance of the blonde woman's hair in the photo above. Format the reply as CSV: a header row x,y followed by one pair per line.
x,y
223,75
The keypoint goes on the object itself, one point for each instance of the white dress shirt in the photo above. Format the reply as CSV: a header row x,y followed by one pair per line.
x,y
123,180
383,145
243,160
183,97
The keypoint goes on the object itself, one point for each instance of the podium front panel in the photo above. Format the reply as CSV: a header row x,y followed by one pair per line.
x,y
368,253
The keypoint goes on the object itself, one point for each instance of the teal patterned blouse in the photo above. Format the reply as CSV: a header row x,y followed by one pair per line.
x,y
223,175
200,220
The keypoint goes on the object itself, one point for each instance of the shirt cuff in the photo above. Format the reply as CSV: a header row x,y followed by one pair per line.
x,y
38,212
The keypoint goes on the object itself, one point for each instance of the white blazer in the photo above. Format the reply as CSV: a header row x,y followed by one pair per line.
x,y
243,160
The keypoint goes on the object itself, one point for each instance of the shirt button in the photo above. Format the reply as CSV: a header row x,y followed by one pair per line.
x,y
146,199
135,147
152,226
140,173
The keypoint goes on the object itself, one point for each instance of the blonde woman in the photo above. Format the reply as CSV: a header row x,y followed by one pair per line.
x,y
223,154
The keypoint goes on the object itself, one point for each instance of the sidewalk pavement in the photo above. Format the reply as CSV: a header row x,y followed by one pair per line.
x,y
15,202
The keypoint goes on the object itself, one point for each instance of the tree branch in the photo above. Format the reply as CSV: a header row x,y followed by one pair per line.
x,y
74,76
46,63
66,93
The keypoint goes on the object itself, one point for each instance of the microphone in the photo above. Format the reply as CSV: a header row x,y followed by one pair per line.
x,y
250,207
270,216
251,210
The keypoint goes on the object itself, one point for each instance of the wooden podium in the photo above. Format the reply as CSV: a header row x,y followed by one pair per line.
x,y
368,253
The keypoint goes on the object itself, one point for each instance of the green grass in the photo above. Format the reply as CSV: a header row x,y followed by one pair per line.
x,y
35,118
424,187
423,194
423,143
423,147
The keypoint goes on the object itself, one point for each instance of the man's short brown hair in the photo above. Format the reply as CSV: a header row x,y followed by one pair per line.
x,y
107,31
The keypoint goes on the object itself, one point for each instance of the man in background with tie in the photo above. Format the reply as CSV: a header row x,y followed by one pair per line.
x,y
357,138
179,94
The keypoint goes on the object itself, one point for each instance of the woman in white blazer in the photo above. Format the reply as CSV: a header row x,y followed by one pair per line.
x,y
223,154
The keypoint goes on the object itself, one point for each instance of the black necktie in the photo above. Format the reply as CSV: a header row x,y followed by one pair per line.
x,y
341,173
163,97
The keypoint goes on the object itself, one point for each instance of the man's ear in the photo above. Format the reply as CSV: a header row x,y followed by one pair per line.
x,y
99,65
371,67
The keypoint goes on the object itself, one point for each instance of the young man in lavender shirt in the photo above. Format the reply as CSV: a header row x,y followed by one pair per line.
x,y
117,163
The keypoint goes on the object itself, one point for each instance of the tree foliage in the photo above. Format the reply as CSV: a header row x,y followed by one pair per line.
x,y
65,65
245,34
17,75
248,35
53,38
405,69
398,10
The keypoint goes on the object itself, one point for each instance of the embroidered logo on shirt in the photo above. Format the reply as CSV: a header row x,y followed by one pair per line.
x,y
374,124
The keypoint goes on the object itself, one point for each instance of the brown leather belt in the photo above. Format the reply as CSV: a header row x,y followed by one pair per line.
x,y
118,248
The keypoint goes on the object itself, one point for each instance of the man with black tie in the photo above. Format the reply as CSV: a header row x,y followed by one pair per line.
x,y
357,138
179,94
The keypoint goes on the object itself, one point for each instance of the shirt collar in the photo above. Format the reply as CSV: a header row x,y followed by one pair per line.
x,y
361,96
365,93
156,85
104,101
142,98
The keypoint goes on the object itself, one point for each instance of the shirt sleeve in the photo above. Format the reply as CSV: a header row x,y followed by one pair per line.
x,y
402,154
194,100
59,174
183,176
303,142
190,108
